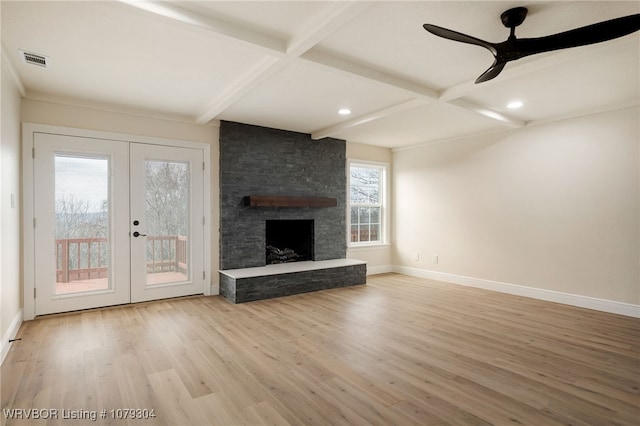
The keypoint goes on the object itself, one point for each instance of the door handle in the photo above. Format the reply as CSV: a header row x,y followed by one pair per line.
x,y
137,234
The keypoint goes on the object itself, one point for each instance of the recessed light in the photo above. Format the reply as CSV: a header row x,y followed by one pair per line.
x,y
515,104
344,111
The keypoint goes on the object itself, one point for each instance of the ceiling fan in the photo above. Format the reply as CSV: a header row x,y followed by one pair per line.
x,y
515,48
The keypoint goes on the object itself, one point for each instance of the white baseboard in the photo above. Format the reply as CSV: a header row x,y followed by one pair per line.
x,y
577,300
374,270
10,334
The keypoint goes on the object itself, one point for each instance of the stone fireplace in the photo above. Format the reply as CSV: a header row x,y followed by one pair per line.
x,y
285,190
259,161
288,241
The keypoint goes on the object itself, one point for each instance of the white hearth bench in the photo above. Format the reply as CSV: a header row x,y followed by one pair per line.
x,y
286,279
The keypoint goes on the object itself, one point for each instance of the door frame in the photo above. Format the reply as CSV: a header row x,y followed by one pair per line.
x,y
28,214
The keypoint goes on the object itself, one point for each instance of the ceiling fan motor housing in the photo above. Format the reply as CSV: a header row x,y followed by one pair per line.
x,y
513,17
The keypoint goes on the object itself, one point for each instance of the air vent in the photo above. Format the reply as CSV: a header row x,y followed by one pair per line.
x,y
35,59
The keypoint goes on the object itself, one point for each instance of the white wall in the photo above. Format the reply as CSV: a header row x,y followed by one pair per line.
x,y
553,207
378,258
42,112
10,272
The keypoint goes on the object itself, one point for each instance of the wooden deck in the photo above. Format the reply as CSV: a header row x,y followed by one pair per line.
x,y
398,351
103,284
84,260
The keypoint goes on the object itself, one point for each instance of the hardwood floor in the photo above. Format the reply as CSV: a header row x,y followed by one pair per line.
x,y
398,351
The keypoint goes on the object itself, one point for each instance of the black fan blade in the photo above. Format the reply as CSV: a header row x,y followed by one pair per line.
x,y
456,36
595,33
515,48
492,72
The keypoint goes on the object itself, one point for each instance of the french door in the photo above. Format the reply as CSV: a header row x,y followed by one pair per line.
x,y
115,222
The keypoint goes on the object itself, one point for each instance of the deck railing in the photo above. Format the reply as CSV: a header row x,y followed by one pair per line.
x,y
80,259
167,254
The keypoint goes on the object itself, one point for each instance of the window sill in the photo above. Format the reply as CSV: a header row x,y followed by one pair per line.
x,y
368,247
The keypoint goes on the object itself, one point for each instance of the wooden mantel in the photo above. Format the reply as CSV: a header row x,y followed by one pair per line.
x,y
288,201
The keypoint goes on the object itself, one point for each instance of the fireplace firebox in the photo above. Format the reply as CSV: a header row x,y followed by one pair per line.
x,y
289,241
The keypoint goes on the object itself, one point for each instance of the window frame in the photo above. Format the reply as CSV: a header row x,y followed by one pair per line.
x,y
383,204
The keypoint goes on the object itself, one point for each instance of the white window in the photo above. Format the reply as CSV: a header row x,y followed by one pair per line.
x,y
367,198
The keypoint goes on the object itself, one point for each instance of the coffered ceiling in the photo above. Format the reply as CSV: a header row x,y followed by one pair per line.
x,y
293,64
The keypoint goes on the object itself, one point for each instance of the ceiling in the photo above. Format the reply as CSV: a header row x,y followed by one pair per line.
x,y
293,65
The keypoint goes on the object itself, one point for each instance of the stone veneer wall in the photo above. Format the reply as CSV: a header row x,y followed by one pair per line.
x,y
262,161
268,286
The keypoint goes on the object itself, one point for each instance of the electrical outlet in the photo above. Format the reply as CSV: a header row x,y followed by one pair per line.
x,y
435,258
416,257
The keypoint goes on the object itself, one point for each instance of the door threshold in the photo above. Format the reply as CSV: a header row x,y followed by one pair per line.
x,y
122,305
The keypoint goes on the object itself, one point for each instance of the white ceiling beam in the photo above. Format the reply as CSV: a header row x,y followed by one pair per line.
x,y
385,112
282,53
248,37
533,64
265,69
333,17
364,72
410,88
504,119
511,71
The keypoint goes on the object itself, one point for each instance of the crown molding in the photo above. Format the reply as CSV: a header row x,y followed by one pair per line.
x,y
633,103
451,140
114,108
586,112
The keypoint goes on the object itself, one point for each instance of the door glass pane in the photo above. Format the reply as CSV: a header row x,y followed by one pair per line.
x,y
167,221
81,223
